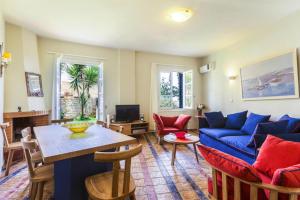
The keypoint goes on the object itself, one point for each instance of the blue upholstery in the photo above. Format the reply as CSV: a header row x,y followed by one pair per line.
x,y
293,123
294,137
252,122
239,143
236,120
215,119
222,146
220,132
273,128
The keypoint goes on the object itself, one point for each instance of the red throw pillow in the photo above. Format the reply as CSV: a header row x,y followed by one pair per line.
x,y
168,121
229,164
277,153
181,121
158,121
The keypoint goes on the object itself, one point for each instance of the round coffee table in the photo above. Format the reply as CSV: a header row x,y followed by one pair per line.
x,y
191,139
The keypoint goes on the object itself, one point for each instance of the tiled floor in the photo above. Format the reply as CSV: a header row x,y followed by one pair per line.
x,y
154,176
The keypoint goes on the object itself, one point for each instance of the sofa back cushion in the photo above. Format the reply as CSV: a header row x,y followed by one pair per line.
x,y
259,139
288,177
252,122
276,153
215,119
272,128
236,120
229,164
182,121
293,123
168,121
159,123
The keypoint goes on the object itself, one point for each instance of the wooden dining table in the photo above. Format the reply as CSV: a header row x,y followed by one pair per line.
x,y
73,156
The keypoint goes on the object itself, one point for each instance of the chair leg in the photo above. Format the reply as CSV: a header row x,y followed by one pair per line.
x,y
9,160
41,190
132,196
33,191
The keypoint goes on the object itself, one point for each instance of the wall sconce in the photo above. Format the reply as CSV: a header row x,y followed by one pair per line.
x,y
232,78
5,60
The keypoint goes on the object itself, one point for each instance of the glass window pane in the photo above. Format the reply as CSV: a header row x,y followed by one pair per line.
x,y
165,101
188,89
188,101
188,77
165,83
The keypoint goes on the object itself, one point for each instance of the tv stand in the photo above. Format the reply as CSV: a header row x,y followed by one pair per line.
x,y
133,128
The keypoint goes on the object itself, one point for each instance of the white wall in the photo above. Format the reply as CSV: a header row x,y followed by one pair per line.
x,y
23,46
220,94
2,39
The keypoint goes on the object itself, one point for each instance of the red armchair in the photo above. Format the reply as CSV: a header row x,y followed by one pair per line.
x,y
166,125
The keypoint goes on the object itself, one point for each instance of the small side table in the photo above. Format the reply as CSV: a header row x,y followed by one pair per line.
x,y
170,138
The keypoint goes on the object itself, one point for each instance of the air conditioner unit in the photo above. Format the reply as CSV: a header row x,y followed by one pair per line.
x,y
205,68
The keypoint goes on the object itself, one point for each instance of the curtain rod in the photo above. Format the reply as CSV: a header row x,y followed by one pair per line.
x,y
74,55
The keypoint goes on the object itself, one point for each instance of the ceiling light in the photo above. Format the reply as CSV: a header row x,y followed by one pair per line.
x,y
181,14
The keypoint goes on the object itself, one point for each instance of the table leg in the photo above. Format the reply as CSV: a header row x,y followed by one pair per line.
x,y
173,154
196,154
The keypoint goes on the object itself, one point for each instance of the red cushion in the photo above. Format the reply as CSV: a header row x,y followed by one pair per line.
x,y
168,121
277,153
159,123
181,121
229,164
288,177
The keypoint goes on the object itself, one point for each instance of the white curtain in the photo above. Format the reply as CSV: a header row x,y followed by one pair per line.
x,y
56,88
153,94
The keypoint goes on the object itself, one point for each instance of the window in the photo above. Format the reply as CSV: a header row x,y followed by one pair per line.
x,y
176,90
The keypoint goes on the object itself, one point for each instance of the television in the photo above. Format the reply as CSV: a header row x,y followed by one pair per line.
x,y
127,113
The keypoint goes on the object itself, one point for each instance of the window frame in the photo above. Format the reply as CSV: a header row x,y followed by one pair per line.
x,y
178,69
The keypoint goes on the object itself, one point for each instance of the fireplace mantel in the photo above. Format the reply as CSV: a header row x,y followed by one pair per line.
x,y
20,120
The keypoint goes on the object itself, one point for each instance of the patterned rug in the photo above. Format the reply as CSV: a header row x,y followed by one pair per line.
x,y
154,176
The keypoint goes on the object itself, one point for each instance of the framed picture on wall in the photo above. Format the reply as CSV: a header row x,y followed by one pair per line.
x,y
273,78
34,84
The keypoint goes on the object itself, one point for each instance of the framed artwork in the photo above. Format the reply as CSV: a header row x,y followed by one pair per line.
x,y
274,78
34,85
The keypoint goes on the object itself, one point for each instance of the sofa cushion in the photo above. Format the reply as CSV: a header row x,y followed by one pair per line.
x,y
277,153
252,122
236,120
239,143
273,128
259,139
181,121
170,130
220,132
229,164
293,123
288,177
215,119
168,121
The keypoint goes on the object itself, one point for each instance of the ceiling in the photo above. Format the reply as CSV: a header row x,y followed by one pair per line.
x,y
142,24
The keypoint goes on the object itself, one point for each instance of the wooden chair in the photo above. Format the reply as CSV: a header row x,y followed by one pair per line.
x,y
61,121
36,156
274,190
39,175
102,123
10,147
123,185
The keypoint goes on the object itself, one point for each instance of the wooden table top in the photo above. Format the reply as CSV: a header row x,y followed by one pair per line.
x,y
57,143
190,139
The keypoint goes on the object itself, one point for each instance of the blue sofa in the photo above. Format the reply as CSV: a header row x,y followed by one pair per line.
x,y
234,142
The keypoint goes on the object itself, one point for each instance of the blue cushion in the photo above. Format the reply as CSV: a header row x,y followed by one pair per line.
x,y
252,122
259,139
236,120
220,132
239,143
293,123
273,128
215,119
